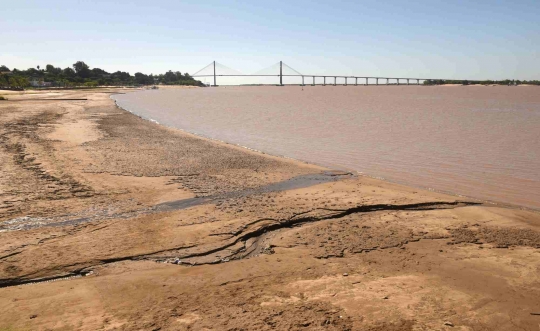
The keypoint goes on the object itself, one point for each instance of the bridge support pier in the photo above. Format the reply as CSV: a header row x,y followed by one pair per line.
x,y
376,81
366,81
303,81
386,81
407,81
345,84
280,73
397,80
313,81
356,81
418,82
215,73
335,80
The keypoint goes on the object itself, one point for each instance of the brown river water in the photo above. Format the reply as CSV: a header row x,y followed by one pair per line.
x,y
481,141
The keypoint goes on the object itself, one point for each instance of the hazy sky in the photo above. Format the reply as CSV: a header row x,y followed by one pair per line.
x,y
472,39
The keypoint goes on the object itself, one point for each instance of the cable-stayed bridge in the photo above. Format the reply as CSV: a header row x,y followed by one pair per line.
x,y
276,75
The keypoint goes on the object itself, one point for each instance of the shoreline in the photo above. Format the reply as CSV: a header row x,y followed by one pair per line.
x,y
356,172
353,253
218,141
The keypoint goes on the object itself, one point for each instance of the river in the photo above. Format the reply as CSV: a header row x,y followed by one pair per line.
x,y
477,141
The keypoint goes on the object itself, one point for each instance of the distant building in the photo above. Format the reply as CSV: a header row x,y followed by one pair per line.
x,y
34,82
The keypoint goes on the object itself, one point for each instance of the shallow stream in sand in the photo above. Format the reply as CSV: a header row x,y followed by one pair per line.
x,y
482,142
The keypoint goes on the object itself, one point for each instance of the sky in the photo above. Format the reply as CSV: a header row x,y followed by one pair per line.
x,y
472,39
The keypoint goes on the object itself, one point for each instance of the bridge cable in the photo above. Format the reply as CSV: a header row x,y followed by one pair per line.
x,y
285,66
210,65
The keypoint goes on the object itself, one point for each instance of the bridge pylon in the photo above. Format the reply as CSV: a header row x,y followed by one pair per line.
x,y
281,73
215,74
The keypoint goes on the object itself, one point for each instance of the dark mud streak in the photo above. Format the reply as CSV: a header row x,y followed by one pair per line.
x,y
75,273
294,221
7,282
11,254
41,99
297,182
287,223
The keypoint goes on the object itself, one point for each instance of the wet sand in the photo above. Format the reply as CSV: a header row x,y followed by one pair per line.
x,y
342,252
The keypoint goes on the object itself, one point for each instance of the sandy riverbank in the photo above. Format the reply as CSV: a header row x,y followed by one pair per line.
x,y
94,193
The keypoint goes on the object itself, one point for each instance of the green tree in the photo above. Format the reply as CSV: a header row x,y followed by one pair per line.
x,y
143,79
32,72
19,82
50,69
81,69
3,81
122,76
80,74
68,72
98,73
169,77
24,82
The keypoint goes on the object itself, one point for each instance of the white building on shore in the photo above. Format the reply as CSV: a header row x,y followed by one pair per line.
x,y
34,82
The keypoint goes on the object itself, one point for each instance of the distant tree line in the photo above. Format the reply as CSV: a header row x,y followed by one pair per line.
x,y
481,82
80,74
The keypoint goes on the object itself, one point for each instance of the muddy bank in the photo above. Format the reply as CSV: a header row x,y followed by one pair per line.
x,y
114,222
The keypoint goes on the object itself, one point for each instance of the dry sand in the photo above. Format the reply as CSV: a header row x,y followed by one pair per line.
x,y
95,235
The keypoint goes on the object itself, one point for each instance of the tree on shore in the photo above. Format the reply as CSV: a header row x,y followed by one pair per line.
x,y
143,79
80,74
3,81
81,69
68,73
3,68
51,70
18,82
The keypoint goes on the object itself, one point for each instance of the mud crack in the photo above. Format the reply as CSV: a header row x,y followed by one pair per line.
x,y
237,248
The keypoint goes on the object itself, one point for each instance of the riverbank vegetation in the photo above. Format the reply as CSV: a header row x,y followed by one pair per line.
x,y
80,75
481,82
